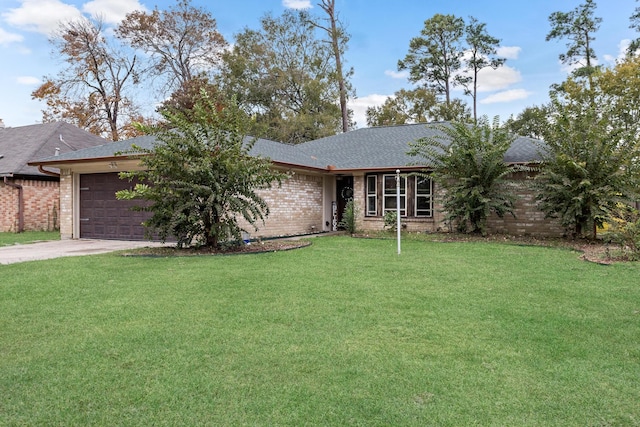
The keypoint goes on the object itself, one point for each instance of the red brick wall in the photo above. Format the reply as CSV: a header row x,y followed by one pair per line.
x,y
41,205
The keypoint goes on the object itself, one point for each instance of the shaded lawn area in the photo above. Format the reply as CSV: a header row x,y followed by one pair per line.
x,y
343,332
7,239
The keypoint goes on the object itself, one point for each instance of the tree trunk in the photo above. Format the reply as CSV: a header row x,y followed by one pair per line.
x,y
329,7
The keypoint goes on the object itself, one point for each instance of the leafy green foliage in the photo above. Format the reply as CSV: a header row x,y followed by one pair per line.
x,y
416,106
468,162
532,122
350,217
624,229
435,56
390,220
578,27
200,178
591,155
284,78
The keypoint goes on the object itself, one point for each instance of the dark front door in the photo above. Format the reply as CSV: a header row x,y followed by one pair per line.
x,y
344,188
102,216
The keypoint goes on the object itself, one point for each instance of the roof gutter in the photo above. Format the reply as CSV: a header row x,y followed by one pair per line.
x,y
20,202
41,169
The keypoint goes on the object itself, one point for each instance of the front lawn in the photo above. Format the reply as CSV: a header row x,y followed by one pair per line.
x,y
27,237
343,332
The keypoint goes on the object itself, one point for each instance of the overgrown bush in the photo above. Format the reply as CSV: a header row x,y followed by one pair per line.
x,y
624,230
468,162
349,217
391,220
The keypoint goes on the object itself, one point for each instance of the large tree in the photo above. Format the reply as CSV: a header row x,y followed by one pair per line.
x,y
481,53
284,78
578,27
435,57
338,38
92,90
592,154
468,162
532,122
416,106
200,179
182,43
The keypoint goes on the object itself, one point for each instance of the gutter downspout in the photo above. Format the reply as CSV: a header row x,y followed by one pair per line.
x,y
46,172
20,203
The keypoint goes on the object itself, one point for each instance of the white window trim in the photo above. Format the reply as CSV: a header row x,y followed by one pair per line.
x,y
403,195
373,195
430,195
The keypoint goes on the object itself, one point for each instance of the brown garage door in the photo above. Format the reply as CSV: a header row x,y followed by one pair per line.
x,y
102,216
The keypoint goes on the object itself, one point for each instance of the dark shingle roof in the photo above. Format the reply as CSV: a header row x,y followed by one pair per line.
x,y
387,146
23,144
366,148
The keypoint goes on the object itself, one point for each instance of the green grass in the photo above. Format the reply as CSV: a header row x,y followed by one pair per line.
x,y
7,239
344,332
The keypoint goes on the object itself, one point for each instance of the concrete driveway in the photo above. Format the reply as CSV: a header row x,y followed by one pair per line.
x,y
61,248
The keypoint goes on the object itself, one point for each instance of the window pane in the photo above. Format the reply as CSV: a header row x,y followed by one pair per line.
x,y
371,206
423,185
389,184
390,203
371,184
423,203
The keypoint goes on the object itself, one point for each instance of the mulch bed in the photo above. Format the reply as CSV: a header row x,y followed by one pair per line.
x,y
254,247
593,251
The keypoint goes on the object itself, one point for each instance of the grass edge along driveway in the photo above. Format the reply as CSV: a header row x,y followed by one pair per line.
x,y
344,332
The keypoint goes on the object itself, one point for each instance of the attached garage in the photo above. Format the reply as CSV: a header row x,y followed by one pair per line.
x,y
102,216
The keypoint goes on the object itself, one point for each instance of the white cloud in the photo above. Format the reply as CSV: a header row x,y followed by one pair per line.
x,y
622,52
509,52
490,80
43,16
506,96
397,74
28,80
6,38
112,11
297,4
360,105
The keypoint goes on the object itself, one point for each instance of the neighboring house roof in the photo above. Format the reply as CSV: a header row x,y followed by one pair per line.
x,y
19,145
367,148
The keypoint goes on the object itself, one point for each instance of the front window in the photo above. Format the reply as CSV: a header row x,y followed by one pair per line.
x,y
390,200
424,201
372,195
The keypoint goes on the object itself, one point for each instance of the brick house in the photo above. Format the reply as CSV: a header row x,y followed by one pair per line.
x,y
324,174
29,195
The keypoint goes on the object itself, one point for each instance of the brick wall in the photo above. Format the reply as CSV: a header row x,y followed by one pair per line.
x,y
529,219
8,208
66,204
41,205
295,208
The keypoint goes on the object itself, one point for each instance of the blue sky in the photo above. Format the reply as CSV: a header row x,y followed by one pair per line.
x,y
380,30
